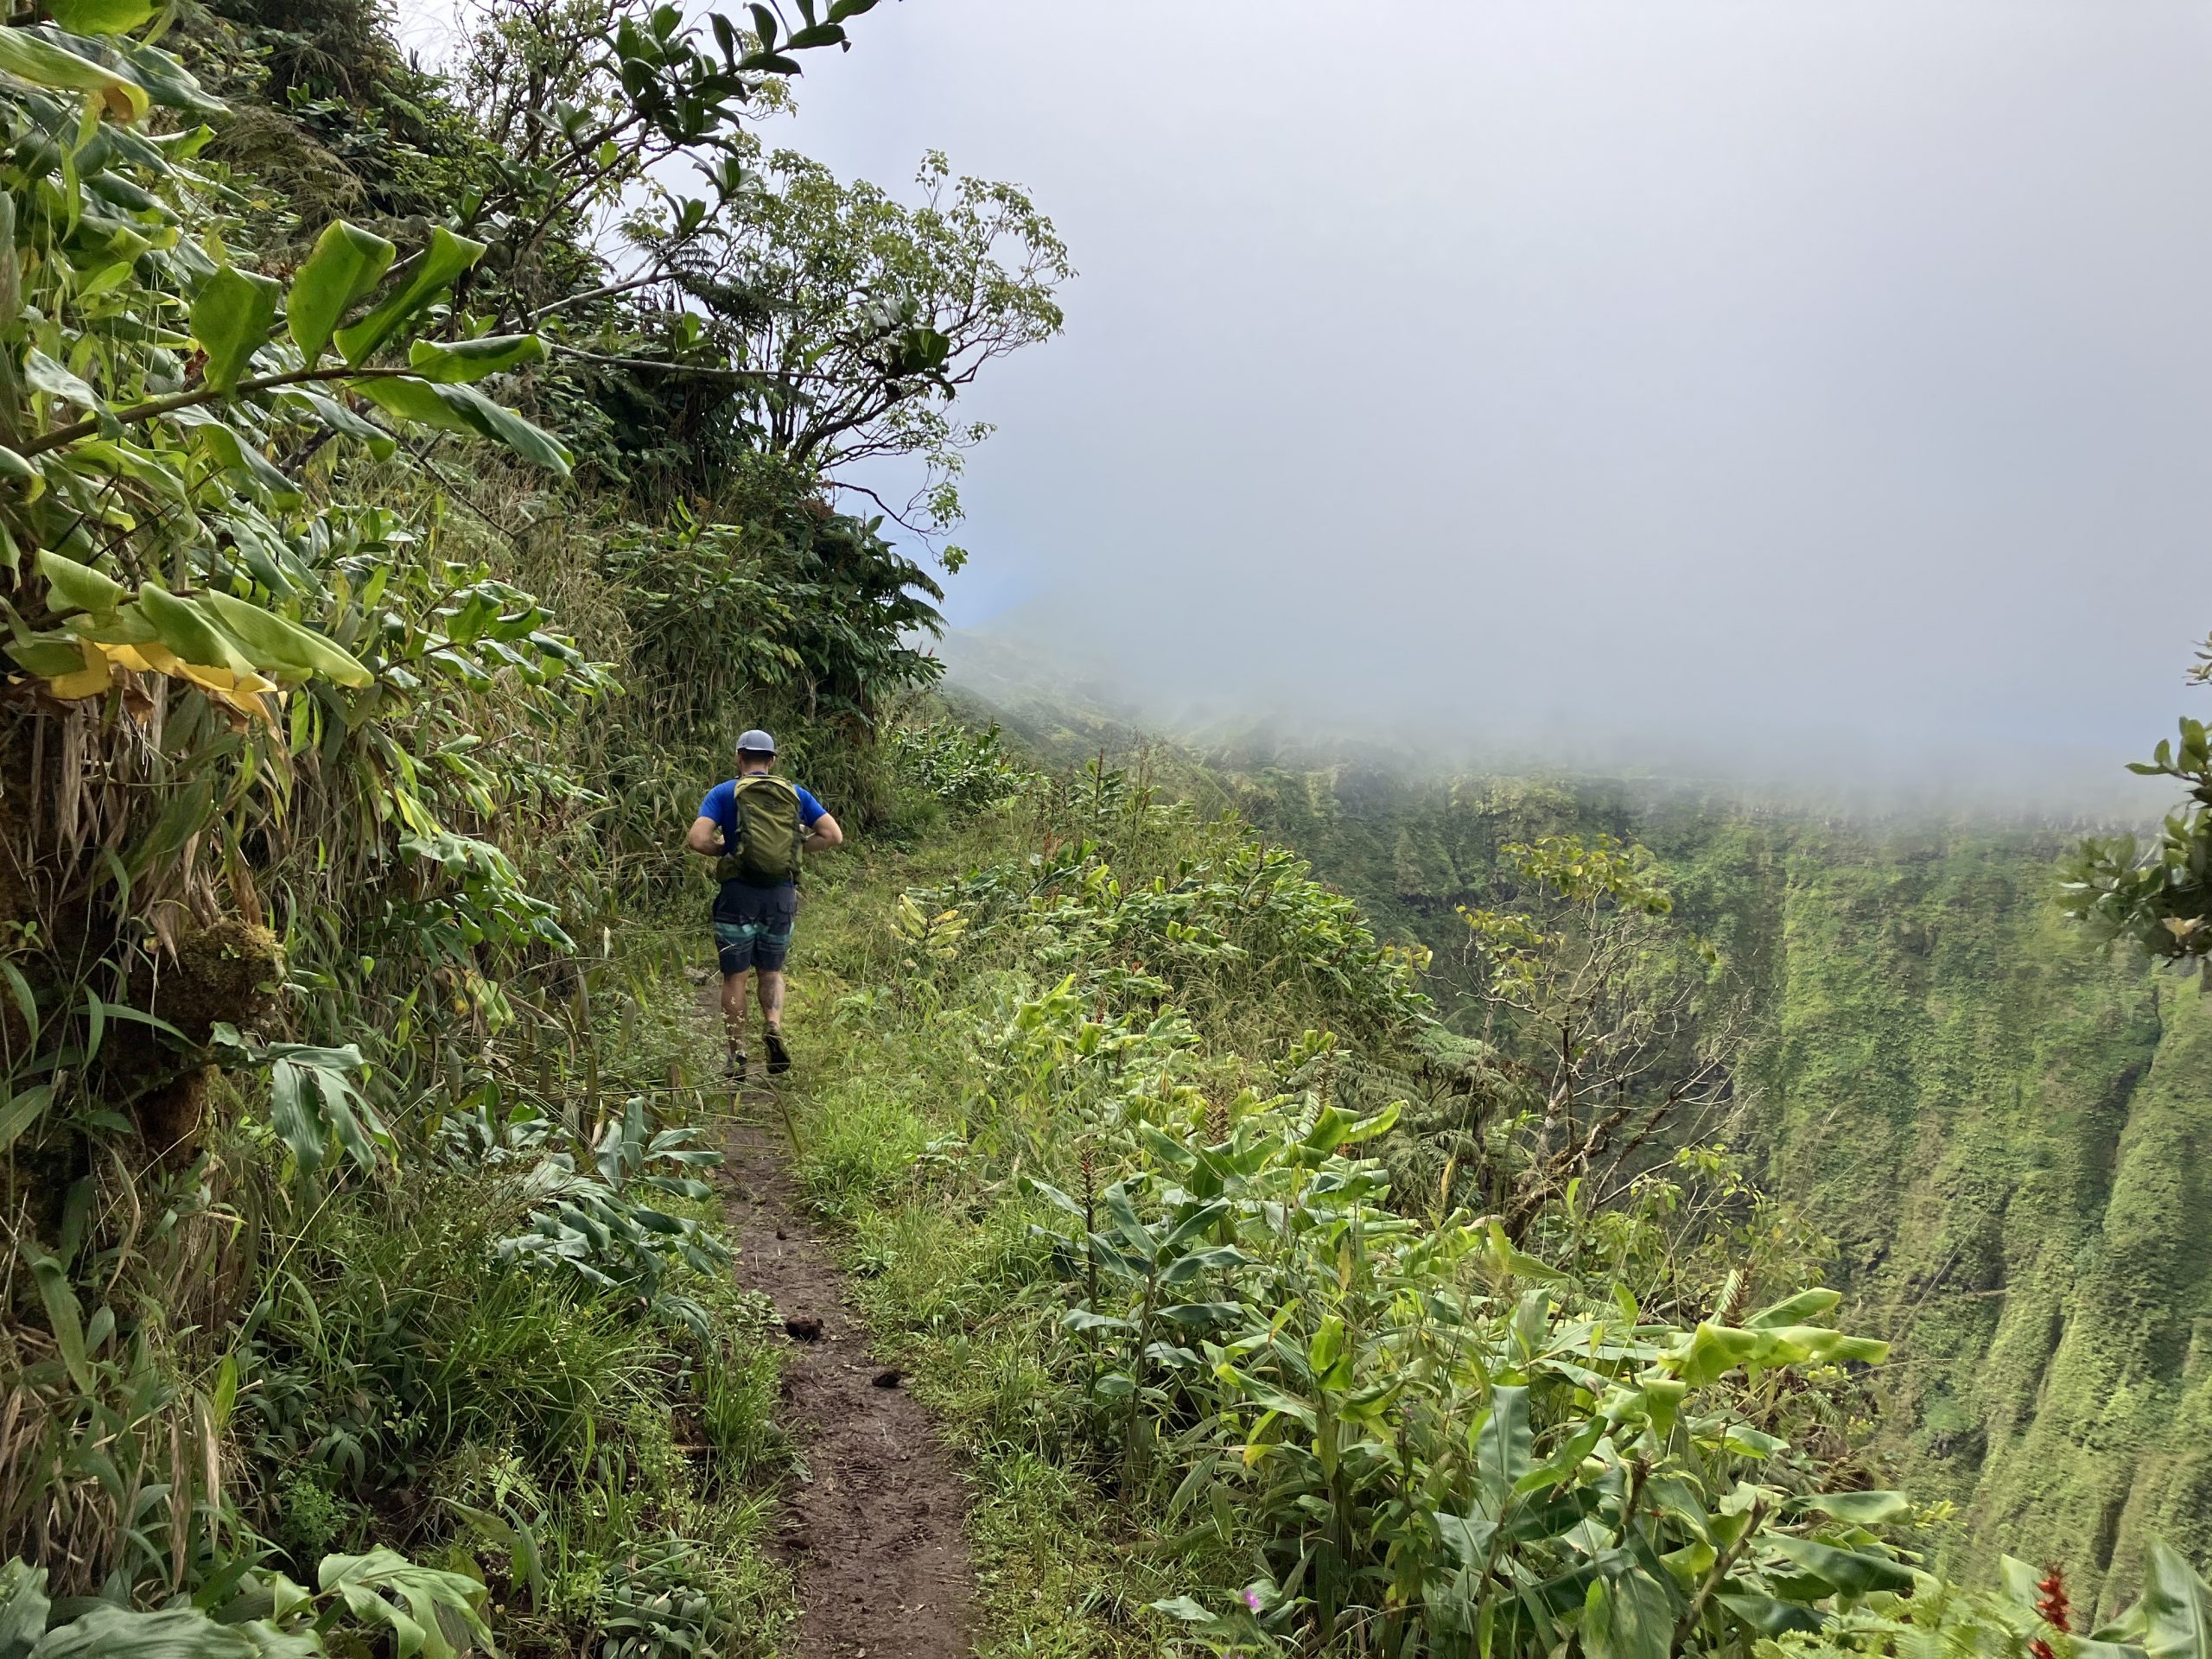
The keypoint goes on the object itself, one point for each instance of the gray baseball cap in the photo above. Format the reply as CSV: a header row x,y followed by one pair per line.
x,y
757,741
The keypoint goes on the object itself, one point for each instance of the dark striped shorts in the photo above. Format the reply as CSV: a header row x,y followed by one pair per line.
x,y
753,926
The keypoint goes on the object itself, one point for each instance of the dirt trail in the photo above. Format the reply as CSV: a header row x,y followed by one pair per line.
x,y
873,1529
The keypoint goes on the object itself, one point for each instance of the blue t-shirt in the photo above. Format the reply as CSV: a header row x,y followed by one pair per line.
x,y
721,805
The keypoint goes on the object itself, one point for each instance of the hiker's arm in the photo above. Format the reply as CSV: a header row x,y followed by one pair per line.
x,y
825,833
704,837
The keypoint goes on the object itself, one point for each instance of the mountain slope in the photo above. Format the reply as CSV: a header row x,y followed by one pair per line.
x,y
2003,1129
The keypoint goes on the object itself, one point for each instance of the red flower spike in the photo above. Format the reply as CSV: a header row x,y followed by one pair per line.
x,y
2053,1608
2051,1602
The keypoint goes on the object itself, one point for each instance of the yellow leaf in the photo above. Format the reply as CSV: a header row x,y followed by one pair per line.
x,y
90,681
241,691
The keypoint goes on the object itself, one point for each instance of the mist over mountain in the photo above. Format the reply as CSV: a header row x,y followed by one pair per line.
x,y
1087,688
1810,392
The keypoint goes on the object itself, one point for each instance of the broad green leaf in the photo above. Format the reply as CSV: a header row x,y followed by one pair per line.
x,y
40,61
246,462
18,987
101,16
1467,1536
1374,1123
369,1582
48,375
1182,1607
343,421
472,360
1201,1312
2177,1607
231,319
2019,1580
24,1607
1218,1258
1628,1616
312,1099
1505,1447
1863,1509
445,258
190,632
1769,1615
464,409
11,270
1712,1352
1326,1349
64,1318
348,262
226,1393
1564,1463
1196,1224
1331,1126
14,467
1663,1402
281,647
1746,1441
172,86
23,1110
294,1121
1082,1319
49,657
411,399
1849,1572
110,1632
532,443
77,586
1031,1187
1806,1304
1507,1259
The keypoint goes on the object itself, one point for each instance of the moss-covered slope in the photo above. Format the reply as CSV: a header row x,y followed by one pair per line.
x,y
2003,1130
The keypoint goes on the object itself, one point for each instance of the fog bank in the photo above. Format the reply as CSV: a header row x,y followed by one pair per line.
x,y
1704,379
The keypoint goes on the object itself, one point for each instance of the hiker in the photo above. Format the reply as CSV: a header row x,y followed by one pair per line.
x,y
755,827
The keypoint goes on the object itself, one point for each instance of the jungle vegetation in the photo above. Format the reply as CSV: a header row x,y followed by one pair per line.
x,y
406,491
1958,1048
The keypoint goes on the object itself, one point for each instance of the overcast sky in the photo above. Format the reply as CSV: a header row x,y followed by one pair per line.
x,y
1807,379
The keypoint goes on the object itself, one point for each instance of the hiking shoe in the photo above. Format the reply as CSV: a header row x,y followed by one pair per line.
x,y
780,1057
735,1070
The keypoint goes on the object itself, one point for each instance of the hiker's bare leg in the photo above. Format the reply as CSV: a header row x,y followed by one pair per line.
x,y
734,1011
771,997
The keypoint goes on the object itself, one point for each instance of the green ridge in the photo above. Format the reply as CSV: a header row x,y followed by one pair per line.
x,y
2001,1125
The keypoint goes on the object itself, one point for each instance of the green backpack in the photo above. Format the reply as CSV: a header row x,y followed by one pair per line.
x,y
768,833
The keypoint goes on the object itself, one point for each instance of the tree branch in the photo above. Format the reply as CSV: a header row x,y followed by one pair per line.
x,y
62,435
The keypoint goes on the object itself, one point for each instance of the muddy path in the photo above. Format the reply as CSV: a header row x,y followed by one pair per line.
x,y
872,1523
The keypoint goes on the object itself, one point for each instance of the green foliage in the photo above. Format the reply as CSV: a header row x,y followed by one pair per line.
x,y
605,1227
1609,1035
956,766
420,1610
1995,1123
578,104
324,1232
1144,1228
857,319
805,601
2160,900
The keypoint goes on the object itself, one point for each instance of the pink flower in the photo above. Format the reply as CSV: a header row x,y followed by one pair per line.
x,y
1252,1599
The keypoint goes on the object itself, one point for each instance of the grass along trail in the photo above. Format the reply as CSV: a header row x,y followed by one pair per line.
x,y
873,1524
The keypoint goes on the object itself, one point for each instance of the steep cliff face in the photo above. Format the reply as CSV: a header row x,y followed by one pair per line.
x,y
2004,1130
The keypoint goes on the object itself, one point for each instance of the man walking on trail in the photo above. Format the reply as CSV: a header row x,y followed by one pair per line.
x,y
755,827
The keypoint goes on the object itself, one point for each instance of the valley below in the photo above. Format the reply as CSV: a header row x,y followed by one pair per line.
x,y
1999,1125
2002,1126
